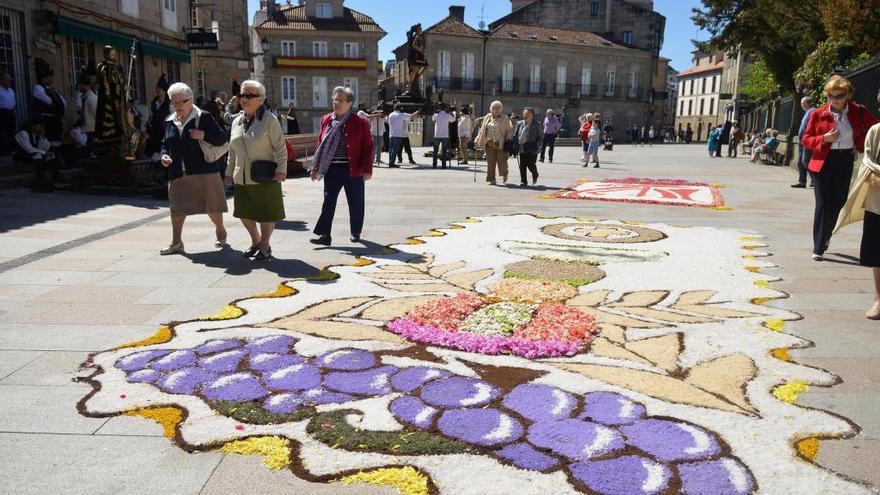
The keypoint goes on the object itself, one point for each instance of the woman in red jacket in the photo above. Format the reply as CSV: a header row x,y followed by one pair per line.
x,y
834,133
344,159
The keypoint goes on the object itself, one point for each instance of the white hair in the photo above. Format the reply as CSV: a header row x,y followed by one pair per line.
x,y
496,104
261,90
180,88
347,92
589,116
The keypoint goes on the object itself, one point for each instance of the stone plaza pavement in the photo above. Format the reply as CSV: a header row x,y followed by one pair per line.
x,y
82,273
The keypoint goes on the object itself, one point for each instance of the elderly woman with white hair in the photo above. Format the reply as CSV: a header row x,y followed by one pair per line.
x,y
344,159
192,146
257,165
495,131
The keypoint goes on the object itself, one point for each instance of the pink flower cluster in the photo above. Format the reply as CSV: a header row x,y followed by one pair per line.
x,y
483,344
553,330
448,312
560,322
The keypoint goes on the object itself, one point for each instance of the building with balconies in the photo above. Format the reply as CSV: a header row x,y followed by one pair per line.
x,y
699,88
528,63
313,47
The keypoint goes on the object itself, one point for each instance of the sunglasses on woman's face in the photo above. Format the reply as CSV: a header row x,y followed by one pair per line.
x,y
836,97
249,95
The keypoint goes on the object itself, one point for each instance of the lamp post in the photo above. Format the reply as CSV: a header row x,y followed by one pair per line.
x,y
267,61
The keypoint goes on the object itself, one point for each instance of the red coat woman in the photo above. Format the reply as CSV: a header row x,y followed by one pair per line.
x,y
834,133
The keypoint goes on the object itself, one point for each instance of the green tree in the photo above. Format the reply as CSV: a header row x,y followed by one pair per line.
x,y
818,67
777,31
758,83
855,21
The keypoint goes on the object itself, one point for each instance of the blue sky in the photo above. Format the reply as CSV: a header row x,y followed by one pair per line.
x,y
396,16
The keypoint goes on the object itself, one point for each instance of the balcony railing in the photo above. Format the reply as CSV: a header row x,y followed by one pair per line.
x,y
611,91
562,89
633,93
586,90
536,87
457,83
507,86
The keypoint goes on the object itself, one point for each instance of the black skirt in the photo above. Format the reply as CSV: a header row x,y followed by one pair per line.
x,y
870,252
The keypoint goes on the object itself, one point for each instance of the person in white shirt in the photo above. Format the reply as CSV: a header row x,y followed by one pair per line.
x,y
397,132
442,120
465,126
88,105
7,113
33,147
377,122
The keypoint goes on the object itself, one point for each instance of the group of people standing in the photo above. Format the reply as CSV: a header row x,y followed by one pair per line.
x,y
728,133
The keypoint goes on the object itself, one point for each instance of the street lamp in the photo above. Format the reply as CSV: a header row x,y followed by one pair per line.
x,y
264,45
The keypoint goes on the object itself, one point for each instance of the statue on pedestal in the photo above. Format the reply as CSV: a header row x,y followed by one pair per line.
x,y
113,122
416,60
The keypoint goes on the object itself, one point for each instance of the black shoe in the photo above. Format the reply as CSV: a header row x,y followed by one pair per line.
x,y
541,160
524,184
811,184
596,165
551,160
251,252
393,166
534,179
413,162
443,166
355,238
799,185
435,165
263,256
323,240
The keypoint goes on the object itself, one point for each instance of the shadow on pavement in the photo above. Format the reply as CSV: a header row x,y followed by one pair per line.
x,y
233,263
19,209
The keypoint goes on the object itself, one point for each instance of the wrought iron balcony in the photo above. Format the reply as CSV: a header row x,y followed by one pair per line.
x,y
536,87
507,86
586,90
457,83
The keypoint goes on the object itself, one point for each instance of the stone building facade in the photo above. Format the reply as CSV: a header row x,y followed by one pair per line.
x,y
732,104
671,102
70,35
699,88
314,47
216,69
526,59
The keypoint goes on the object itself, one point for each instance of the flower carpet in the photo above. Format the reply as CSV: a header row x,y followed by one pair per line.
x,y
505,354
648,191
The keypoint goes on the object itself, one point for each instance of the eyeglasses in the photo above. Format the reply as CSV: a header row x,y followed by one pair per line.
x,y
249,95
180,102
836,97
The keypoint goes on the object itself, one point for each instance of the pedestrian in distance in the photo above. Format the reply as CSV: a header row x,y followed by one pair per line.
x,y
584,135
552,124
713,141
736,137
192,148
494,135
594,136
398,134
834,132
465,126
530,135
441,120
804,153
257,165
864,204
344,159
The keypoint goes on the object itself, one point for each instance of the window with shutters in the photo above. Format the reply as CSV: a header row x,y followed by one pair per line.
x,y
319,92
586,81
288,90
507,77
610,80
535,79
288,48
351,50
169,14
467,70
319,49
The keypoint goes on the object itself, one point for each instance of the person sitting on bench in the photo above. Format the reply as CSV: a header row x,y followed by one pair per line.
x,y
768,147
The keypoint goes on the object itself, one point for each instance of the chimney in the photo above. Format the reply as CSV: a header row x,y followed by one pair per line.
x,y
457,11
271,7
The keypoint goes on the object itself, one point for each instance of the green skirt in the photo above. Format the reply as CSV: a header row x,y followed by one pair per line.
x,y
259,202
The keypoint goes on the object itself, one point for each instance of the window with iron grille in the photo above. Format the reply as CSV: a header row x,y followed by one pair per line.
x,y
79,54
288,90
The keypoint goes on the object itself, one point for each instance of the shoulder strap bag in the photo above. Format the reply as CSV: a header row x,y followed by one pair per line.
x,y
212,153
262,171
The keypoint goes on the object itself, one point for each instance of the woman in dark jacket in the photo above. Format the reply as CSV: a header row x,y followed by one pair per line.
x,y
344,159
833,134
160,108
194,184
530,135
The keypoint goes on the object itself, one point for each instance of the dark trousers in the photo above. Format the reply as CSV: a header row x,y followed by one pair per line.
x,y
408,148
731,148
528,161
396,150
7,131
443,144
831,187
336,179
548,142
804,155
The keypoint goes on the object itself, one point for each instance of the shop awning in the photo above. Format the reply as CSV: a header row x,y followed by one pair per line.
x,y
154,49
122,41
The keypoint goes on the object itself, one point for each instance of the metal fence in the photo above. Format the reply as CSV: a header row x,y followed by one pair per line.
x,y
866,80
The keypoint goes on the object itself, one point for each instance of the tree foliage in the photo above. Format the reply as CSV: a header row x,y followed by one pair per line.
x,y
781,32
854,21
758,82
819,65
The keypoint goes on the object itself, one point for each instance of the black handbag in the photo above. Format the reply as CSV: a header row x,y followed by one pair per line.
x,y
263,171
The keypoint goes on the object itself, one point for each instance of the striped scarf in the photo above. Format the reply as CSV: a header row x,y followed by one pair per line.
x,y
327,147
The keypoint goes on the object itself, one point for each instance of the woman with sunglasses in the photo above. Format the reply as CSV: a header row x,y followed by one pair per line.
x,y
256,138
834,132
194,184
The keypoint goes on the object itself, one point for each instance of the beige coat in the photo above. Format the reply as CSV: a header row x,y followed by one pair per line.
x,y
264,140
503,133
863,195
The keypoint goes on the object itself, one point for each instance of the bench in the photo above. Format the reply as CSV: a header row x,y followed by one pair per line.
x,y
304,145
